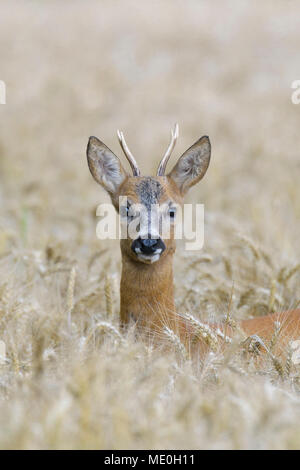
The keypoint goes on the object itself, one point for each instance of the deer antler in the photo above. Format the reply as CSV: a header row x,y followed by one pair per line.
x,y
128,154
162,166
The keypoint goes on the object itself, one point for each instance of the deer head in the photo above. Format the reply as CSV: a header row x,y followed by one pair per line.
x,y
147,295
150,202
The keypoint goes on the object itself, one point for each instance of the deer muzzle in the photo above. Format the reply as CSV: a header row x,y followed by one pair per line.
x,y
148,249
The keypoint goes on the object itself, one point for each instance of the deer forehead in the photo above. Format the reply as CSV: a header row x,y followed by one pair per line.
x,y
149,190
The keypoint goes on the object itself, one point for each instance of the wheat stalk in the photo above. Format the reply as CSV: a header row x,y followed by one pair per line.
x,y
203,331
275,336
253,248
70,295
176,341
272,295
108,297
107,327
288,362
285,274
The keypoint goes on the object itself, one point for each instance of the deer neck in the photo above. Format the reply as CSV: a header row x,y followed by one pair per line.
x,y
147,293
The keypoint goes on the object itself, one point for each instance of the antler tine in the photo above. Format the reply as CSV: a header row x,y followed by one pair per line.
x,y
128,154
162,166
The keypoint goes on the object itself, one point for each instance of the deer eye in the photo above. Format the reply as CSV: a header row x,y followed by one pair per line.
x,y
131,212
124,212
172,212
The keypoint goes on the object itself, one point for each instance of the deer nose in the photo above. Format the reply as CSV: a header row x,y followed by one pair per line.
x,y
148,246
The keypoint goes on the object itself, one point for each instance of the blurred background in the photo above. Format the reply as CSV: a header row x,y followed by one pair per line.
x,y
78,68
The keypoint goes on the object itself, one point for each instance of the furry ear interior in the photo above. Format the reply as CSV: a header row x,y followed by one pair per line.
x,y
105,166
192,165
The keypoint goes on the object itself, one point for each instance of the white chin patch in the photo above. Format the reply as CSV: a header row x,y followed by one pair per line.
x,y
148,258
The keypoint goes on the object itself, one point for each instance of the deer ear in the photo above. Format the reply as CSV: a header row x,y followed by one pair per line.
x,y
105,166
192,165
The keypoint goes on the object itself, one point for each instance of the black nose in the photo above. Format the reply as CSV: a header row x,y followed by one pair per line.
x,y
148,246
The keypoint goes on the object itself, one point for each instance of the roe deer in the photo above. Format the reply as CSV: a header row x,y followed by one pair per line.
x,y
147,293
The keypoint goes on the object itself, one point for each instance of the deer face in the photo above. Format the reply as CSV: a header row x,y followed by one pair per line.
x,y
149,210
148,205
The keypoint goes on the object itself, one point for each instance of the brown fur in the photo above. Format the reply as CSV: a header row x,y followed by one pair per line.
x,y
147,292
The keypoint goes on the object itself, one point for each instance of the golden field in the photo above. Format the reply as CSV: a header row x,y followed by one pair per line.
x,y
78,68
